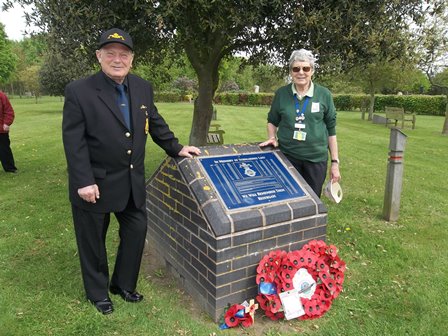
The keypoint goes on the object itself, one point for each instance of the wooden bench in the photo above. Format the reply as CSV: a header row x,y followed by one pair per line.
x,y
215,135
394,115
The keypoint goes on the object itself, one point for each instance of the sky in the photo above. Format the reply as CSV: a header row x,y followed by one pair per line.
x,y
14,22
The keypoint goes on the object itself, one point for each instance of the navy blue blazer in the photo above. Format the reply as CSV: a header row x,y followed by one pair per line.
x,y
99,147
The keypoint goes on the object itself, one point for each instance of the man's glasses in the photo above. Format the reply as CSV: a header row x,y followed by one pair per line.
x,y
305,69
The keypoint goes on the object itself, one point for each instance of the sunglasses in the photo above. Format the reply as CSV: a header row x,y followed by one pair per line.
x,y
305,69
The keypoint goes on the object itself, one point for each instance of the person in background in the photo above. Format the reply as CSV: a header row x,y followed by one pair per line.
x,y
6,120
106,120
302,123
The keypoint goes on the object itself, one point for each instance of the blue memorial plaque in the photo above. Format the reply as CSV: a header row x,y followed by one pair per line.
x,y
247,180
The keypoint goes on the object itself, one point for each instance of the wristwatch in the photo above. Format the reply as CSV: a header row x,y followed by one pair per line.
x,y
335,161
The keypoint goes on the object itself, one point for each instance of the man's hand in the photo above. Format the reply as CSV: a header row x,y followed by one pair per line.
x,y
5,127
90,193
187,151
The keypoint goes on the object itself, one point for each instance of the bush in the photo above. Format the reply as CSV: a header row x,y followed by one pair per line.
x,y
251,99
242,98
229,85
347,102
420,104
227,98
168,97
343,102
185,85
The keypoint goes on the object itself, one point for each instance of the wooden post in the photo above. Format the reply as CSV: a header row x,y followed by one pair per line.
x,y
394,178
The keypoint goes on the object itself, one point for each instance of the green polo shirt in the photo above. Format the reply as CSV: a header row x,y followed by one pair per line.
x,y
320,122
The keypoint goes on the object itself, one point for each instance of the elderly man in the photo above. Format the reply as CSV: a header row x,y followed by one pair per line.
x,y
106,120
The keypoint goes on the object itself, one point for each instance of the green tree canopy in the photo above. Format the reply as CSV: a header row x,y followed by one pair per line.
x,y
347,31
433,41
442,78
30,78
7,58
57,70
29,51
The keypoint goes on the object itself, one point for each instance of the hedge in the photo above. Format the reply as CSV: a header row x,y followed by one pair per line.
x,y
420,104
249,99
171,97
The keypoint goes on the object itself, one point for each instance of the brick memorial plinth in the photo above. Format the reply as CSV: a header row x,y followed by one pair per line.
x,y
213,236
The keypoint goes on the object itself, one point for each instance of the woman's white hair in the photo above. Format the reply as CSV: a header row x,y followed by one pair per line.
x,y
302,55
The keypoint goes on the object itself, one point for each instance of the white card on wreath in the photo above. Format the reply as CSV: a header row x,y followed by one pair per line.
x,y
292,304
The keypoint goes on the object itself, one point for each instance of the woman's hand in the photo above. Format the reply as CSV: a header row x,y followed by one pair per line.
x,y
271,141
335,175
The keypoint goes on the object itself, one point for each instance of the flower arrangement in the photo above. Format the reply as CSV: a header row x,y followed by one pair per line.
x,y
315,274
239,314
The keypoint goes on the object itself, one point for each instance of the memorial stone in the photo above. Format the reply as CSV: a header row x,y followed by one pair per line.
x,y
212,218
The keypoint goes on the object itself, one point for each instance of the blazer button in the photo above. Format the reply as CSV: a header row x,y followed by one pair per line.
x,y
131,166
127,134
129,152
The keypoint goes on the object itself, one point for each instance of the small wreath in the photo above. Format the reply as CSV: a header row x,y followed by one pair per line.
x,y
239,314
316,271
236,315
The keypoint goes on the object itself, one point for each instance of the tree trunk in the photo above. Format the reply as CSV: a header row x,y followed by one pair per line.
x,y
445,124
205,63
364,109
203,108
372,105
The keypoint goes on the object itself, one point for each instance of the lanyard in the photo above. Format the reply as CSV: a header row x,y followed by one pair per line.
x,y
300,115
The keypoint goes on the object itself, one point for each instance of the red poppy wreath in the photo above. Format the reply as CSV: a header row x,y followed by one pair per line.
x,y
300,283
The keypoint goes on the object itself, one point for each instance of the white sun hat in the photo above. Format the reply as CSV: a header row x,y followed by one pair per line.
x,y
333,191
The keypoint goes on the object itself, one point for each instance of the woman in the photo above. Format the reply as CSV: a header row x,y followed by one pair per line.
x,y
302,122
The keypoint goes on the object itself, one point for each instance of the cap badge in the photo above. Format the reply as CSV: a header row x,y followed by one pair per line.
x,y
115,36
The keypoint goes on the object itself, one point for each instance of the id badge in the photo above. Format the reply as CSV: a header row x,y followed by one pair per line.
x,y
299,125
299,135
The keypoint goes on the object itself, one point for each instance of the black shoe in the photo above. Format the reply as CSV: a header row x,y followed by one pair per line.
x,y
103,306
14,171
126,295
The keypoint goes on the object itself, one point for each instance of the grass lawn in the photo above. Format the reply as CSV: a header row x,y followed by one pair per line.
x,y
396,282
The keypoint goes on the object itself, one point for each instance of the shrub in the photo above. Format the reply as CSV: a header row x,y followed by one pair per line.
x,y
168,97
350,102
343,102
242,98
251,99
420,104
229,85
185,85
227,98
